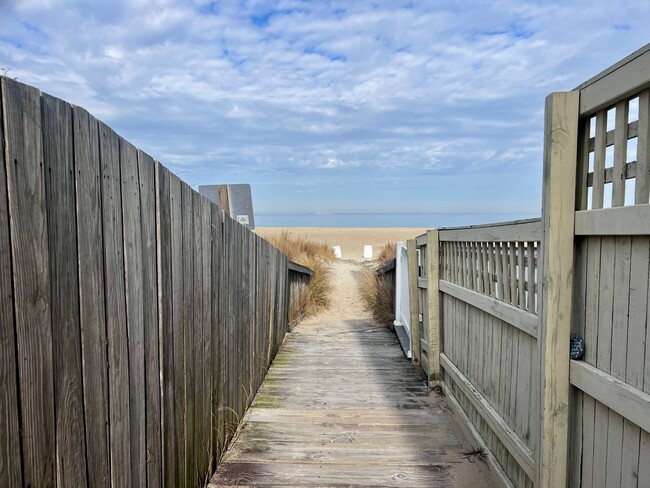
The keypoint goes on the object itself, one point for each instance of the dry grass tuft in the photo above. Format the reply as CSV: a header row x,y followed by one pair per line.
x,y
316,256
378,291
386,254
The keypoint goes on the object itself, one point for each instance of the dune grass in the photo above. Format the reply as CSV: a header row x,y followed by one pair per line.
x,y
316,256
378,290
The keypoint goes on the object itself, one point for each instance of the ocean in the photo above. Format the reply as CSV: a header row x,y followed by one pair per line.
x,y
385,220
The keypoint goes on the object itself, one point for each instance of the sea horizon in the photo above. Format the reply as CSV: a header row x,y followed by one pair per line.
x,y
386,219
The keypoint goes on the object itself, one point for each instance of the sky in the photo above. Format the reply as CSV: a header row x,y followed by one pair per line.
x,y
328,106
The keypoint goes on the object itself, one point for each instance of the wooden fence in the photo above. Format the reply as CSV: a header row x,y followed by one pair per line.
x,y
137,321
497,305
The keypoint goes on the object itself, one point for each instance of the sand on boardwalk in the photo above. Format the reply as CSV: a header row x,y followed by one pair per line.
x,y
351,240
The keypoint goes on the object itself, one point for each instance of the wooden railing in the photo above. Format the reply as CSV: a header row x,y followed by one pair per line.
x,y
137,321
497,305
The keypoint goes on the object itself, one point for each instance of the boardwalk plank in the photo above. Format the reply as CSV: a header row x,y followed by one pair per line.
x,y
337,408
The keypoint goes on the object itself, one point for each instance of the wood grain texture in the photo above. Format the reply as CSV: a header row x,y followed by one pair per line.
x,y
62,239
10,460
148,223
166,326
116,327
32,296
322,419
558,210
91,294
133,272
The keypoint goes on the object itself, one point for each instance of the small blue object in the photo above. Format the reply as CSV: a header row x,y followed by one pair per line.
x,y
577,347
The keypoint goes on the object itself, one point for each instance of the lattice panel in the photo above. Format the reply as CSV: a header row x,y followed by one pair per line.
x,y
613,160
506,271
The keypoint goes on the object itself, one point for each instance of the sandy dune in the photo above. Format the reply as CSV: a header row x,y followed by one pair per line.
x,y
351,240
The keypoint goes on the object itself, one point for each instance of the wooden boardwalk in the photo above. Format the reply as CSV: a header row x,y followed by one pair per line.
x,y
341,406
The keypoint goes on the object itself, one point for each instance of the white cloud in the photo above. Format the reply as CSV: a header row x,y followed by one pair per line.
x,y
263,89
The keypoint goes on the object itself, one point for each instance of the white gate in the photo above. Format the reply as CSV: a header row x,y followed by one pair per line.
x,y
402,307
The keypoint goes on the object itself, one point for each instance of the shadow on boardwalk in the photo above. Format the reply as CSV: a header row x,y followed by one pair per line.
x,y
341,406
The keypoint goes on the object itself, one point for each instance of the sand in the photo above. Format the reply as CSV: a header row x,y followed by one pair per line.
x,y
351,240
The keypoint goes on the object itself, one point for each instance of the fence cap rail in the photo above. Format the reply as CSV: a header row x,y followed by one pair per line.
x,y
623,79
299,268
516,230
389,266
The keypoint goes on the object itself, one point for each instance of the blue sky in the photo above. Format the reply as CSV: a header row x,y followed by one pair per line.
x,y
328,106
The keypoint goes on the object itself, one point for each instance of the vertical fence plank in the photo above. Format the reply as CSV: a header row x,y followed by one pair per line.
x,y
642,185
29,245
204,351
177,348
598,189
433,296
188,253
148,223
620,154
10,461
118,359
91,294
62,238
133,271
215,360
560,155
197,343
166,326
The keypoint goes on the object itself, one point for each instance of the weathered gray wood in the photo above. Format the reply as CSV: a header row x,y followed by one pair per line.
x,y
188,253
629,402
516,317
148,222
133,272
205,347
117,336
622,221
620,154
516,446
433,297
215,332
598,192
623,79
558,210
197,360
91,294
169,441
66,341
10,461
521,230
642,186
31,279
177,348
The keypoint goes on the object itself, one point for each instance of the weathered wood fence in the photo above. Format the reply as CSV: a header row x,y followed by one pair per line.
x,y
137,321
497,305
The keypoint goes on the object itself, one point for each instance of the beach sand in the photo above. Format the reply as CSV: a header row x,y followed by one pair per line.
x,y
351,240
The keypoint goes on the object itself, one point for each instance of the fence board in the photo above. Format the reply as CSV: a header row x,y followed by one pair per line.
x,y
188,253
91,294
118,373
29,245
133,270
148,218
10,460
143,329
165,318
62,240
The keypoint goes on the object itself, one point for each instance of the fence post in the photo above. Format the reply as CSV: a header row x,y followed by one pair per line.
x,y
433,297
414,300
558,212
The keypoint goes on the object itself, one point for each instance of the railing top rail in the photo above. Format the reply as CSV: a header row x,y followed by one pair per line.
x,y
621,80
299,268
518,230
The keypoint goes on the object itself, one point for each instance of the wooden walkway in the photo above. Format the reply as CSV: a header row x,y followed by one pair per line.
x,y
341,406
